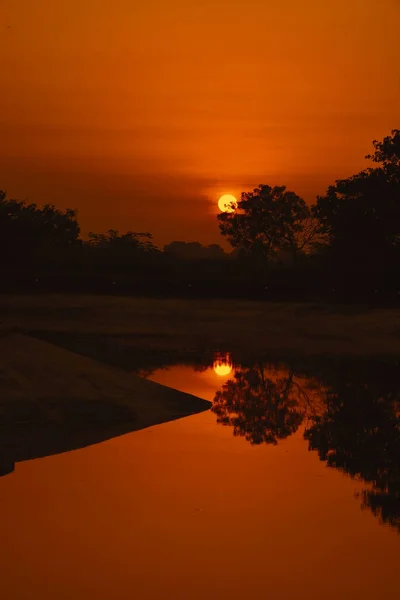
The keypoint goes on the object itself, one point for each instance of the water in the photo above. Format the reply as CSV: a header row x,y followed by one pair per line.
x,y
287,488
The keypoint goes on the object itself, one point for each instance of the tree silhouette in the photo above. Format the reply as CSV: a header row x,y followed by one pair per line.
x,y
361,214
359,434
259,408
387,153
117,250
129,241
269,220
29,234
194,250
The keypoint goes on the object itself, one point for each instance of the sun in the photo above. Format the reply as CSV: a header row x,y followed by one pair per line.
x,y
225,201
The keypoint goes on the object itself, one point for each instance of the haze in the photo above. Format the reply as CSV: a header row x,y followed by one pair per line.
x,y
141,115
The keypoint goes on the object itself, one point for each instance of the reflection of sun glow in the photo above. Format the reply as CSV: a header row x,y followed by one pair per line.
x,y
222,369
223,364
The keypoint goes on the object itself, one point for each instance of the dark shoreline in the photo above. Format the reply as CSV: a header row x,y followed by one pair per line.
x,y
54,401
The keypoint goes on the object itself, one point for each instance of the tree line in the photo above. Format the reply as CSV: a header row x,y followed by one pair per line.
x,y
348,239
357,221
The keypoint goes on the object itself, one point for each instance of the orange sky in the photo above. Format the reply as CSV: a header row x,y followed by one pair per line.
x,y
140,114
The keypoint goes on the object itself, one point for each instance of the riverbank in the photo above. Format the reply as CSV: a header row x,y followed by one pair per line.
x,y
52,400
83,323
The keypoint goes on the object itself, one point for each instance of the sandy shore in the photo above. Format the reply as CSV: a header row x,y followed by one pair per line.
x,y
52,400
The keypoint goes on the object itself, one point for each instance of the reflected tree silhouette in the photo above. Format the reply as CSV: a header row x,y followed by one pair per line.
x,y
262,409
359,434
353,421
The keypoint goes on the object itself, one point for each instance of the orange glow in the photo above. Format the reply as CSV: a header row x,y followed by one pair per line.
x,y
141,116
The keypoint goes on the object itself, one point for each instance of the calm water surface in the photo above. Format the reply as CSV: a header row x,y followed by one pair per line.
x,y
237,502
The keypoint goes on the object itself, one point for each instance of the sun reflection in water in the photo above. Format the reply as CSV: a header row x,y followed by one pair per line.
x,y
223,365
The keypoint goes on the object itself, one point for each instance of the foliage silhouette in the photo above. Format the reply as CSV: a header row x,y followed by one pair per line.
x,y
120,243
119,250
194,250
359,434
269,220
261,409
361,215
29,234
387,153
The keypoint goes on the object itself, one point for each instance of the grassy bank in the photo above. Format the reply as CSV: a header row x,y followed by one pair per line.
x,y
83,322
